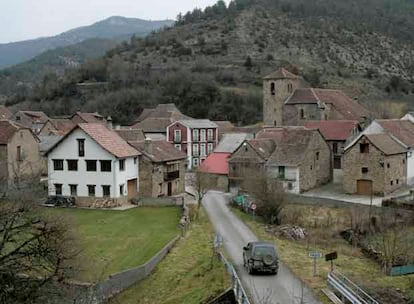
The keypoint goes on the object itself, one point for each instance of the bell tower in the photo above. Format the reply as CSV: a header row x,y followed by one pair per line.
x,y
277,87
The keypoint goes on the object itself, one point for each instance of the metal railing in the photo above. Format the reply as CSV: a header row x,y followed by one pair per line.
x,y
349,290
239,292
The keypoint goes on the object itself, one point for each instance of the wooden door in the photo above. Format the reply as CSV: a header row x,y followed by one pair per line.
x,y
169,189
132,188
364,187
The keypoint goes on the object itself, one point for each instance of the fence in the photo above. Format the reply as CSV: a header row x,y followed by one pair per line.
x,y
402,270
239,292
349,290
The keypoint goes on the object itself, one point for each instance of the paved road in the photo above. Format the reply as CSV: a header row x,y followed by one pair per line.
x,y
283,288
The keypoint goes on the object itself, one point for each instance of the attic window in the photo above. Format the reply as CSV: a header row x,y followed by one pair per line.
x,y
272,89
81,147
302,114
290,88
364,148
317,155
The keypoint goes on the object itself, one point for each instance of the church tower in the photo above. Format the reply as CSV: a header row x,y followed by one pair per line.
x,y
277,87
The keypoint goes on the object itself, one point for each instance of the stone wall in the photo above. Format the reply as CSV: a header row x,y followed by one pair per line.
x,y
382,169
100,202
217,182
315,170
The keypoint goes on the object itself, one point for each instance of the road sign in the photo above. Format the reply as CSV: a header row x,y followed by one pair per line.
x,y
331,256
315,255
253,206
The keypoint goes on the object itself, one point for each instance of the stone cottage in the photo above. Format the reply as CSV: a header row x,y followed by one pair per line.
x,y
374,164
162,168
298,157
20,158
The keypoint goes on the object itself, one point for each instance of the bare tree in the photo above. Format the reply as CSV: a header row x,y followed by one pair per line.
x,y
200,184
268,194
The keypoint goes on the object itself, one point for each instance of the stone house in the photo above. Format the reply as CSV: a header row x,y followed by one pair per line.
x,y
5,113
197,138
338,134
20,158
299,157
374,164
402,131
162,168
94,165
288,101
31,119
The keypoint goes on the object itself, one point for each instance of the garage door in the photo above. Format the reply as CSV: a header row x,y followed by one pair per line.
x,y
364,187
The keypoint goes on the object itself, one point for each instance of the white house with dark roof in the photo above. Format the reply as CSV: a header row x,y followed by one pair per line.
x,y
92,162
196,137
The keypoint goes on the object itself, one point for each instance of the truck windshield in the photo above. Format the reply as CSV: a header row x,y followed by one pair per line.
x,y
261,251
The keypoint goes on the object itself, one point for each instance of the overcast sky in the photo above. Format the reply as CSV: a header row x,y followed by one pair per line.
x,y
28,19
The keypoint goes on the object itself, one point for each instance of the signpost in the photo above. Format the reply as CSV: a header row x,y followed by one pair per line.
x,y
253,207
315,256
331,257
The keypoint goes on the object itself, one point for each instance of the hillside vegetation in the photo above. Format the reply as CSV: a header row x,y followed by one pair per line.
x,y
211,62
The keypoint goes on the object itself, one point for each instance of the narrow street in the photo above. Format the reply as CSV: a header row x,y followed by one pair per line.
x,y
284,288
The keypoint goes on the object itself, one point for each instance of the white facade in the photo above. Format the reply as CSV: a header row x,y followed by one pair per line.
x,y
290,181
68,150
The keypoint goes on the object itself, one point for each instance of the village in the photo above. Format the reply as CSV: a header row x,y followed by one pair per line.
x,y
316,144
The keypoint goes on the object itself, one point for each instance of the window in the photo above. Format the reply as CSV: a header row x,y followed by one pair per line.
x,y
317,155
178,147
290,186
121,190
91,190
209,148
403,161
202,135
106,166
388,165
195,135
392,183
72,165
302,114
81,147
58,164
135,160
398,181
177,135
19,153
122,165
335,148
364,148
106,191
196,162
272,88
202,149
275,123
160,188
337,162
58,189
91,165
281,172
195,150
364,170
210,135
290,88
73,190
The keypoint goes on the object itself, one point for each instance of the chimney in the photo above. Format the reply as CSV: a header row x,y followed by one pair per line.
x,y
148,145
109,122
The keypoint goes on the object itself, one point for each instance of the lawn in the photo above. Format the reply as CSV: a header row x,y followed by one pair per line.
x,y
350,262
113,241
186,275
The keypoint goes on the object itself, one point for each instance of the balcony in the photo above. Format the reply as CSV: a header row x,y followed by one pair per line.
x,y
169,176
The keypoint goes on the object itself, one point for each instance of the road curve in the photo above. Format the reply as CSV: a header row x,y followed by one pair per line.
x,y
284,288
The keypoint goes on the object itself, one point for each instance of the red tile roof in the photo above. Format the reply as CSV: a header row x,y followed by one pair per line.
x,y
403,130
282,74
5,113
35,116
346,107
333,129
385,143
62,125
90,117
216,163
160,150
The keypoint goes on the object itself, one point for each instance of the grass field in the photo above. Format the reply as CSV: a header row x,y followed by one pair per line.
x,y
113,241
350,262
186,275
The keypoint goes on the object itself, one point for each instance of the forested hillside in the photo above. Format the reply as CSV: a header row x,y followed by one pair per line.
x,y
211,62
